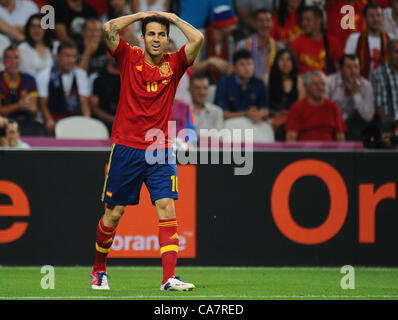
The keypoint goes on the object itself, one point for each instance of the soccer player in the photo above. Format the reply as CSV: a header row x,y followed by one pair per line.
x,y
149,80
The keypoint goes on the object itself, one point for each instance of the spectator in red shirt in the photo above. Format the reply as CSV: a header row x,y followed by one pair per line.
x,y
315,49
286,25
315,117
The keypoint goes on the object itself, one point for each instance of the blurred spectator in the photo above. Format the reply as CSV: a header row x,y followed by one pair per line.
x,y
4,44
18,90
390,23
286,26
182,92
37,52
118,8
315,118
14,15
285,87
246,10
241,94
318,3
182,115
353,94
3,132
105,97
63,88
262,47
101,6
334,17
92,52
381,3
41,3
369,45
115,9
385,84
207,115
149,5
315,49
216,53
70,16
13,136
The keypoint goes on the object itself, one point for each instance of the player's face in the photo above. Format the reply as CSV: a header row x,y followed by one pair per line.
x,y
156,39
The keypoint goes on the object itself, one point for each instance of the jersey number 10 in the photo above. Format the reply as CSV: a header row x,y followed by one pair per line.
x,y
151,86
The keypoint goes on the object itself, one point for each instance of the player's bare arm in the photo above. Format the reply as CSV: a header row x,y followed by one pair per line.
x,y
194,36
113,27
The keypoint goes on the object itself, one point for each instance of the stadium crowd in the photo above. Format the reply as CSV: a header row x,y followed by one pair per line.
x,y
292,70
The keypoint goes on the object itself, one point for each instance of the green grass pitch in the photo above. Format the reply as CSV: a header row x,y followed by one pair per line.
x,y
212,283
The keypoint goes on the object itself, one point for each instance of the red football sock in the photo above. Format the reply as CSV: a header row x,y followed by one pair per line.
x,y
168,242
103,243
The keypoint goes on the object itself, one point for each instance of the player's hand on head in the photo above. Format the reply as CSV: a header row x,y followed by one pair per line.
x,y
166,15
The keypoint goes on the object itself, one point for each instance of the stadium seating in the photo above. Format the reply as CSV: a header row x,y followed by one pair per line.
x,y
79,127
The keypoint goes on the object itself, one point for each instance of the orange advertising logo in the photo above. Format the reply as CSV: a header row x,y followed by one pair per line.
x,y
19,207
137,233
368,201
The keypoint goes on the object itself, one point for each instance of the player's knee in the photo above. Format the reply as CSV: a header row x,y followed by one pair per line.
x,y
115,213
165,208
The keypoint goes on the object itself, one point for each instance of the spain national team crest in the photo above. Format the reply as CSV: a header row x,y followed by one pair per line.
x,y
165,70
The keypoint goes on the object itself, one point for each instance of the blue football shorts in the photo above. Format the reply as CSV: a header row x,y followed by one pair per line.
x,y
128,168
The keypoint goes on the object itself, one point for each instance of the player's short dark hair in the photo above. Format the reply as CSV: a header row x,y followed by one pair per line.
x,y
66,45
241,54
163,21
369,6
345,56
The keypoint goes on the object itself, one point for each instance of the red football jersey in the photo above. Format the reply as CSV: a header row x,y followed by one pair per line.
x,y
317,123
146,95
